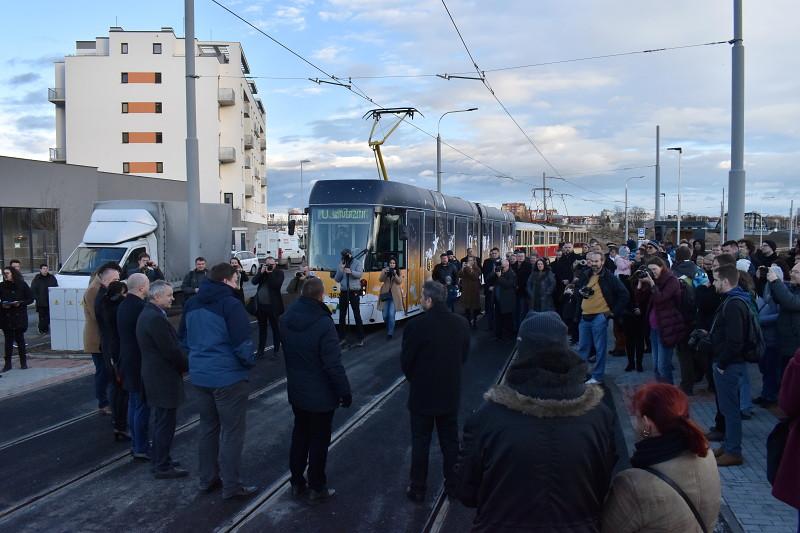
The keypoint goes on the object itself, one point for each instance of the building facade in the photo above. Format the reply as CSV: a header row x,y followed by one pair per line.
x,y
121,107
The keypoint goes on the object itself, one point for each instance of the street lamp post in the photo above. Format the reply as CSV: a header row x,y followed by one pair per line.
x,y
302,191
680,152
626,203
439,146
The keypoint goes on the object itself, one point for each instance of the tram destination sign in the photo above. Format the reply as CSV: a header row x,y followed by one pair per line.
x,y
344,214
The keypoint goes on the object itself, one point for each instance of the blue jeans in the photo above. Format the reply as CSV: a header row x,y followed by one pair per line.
x,y
728,384
138,420
745,394
771,370
452,296
662,358
101,380
388,315
594,332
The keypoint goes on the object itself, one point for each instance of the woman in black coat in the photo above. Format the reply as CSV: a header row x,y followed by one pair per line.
x,y
15,296
243,277
109,342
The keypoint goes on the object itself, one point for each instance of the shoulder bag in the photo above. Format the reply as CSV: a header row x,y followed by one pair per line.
x,y
666,479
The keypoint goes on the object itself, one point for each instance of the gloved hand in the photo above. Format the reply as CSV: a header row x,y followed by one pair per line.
x,y
346,400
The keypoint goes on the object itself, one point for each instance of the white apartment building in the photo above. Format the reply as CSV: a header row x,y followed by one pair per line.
x,y
121,107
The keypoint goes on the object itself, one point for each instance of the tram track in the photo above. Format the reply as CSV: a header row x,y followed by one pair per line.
x,y
441,506
274,491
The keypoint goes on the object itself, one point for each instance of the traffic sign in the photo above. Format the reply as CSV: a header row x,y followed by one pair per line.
x,y
641,233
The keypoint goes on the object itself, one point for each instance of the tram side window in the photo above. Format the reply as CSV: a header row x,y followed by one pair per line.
x,y
461,237
387,241
538,238
497,237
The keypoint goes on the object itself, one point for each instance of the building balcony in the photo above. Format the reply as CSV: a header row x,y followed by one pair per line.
x,y
248,142
248,163
263,184
262,143
58,155
56,95
227,154
246,108
226,97
249,190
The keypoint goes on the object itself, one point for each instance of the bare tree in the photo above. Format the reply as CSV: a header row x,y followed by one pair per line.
x,y
637,216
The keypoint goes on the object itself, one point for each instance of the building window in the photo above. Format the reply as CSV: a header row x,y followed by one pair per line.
x,y
159,138
124,107
156,48
124,137
124,77
158,77
126,168
159,167
228,198
123,48
158,107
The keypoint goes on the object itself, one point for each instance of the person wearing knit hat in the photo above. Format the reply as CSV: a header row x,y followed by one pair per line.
x,y
743,265
541,330
766,254
543,418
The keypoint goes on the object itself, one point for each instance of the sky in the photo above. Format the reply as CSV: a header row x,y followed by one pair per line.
x,y
594,121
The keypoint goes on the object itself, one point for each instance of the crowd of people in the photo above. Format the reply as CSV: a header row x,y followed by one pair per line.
x,y
715,312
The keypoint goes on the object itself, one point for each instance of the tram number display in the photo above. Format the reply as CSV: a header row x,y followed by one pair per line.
x,y
343,214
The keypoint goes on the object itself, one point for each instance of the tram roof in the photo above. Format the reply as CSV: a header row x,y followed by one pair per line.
x,y
394,194
532,226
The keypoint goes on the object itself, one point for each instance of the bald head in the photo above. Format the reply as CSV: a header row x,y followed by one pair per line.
x,y
138,285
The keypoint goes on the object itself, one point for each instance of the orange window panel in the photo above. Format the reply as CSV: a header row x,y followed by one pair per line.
x,y
143,167
142,137
141,107
141,77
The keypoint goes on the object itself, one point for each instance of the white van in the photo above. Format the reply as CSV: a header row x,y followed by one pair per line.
x,y
283,247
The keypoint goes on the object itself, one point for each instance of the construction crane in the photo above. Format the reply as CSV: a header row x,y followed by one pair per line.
x,y
400,113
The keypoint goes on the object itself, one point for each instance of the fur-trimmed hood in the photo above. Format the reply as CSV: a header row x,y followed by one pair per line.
x,y
543,407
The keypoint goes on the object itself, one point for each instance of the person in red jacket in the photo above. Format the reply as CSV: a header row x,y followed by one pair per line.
x,y
787,479
658,292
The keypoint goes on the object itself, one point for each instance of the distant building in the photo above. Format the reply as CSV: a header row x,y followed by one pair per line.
x,y
518,209
121,107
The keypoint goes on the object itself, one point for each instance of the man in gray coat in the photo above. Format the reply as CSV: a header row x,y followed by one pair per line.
x,y
163,365
348,276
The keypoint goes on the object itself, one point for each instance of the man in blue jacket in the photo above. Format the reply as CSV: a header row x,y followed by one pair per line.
x,y
316,383
215,331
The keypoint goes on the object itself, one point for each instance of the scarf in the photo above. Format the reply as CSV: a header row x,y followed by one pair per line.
x,y
659,449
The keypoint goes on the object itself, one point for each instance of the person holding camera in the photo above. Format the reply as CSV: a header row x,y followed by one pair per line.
x,y
600,296
446,273
269,304
490,268
295,287
658,294
148,267
505,300
390,298
348,276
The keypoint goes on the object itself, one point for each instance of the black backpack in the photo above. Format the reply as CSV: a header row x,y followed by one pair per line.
x,y
757,346
687,307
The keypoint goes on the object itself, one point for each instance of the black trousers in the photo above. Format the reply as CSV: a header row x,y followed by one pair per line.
x,y
44,319
18,336
421,432
267,316
165,421
311,437
634,330
353,300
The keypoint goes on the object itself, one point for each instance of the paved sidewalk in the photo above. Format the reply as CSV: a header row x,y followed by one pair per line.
x,y
745,489
42,372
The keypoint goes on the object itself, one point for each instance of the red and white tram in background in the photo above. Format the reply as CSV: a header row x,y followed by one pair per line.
x,y
544,239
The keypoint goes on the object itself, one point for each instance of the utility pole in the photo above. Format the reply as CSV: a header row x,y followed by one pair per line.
x,y
791,224
722,218
626,203
736,175
658,174
680,153
192,164
544,190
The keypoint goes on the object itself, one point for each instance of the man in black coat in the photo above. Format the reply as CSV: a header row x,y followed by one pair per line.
x,y
563,269
435,346
163,366
491,269
40,285
316,384
270,304
130,362
192,280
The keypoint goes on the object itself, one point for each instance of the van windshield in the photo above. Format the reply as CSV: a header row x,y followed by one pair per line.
x,y
85,261
332,229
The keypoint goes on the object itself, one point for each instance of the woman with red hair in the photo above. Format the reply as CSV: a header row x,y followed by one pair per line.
x,y
674,483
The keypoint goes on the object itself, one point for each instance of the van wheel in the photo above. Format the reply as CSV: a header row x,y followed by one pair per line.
x,y
253,270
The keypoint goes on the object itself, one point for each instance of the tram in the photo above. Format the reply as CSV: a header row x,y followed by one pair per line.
x,y
540,239
378,220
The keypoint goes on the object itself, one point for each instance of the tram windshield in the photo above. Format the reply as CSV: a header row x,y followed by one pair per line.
x,y
335,228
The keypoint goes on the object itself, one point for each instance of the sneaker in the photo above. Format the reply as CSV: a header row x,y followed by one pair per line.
x,y
728,459
319,496
388,337
592,381
592,359
629,368
140,458
715,436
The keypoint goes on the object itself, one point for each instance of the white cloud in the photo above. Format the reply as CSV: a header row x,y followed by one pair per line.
x,y
330,53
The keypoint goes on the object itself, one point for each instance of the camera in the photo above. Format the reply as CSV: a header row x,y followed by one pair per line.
x,y
586,292
347,258
298,275
643,273
581,262
151,264
700,341
390,272
269,268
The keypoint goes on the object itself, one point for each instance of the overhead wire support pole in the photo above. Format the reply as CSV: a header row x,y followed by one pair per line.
x,y
192,152
736,175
